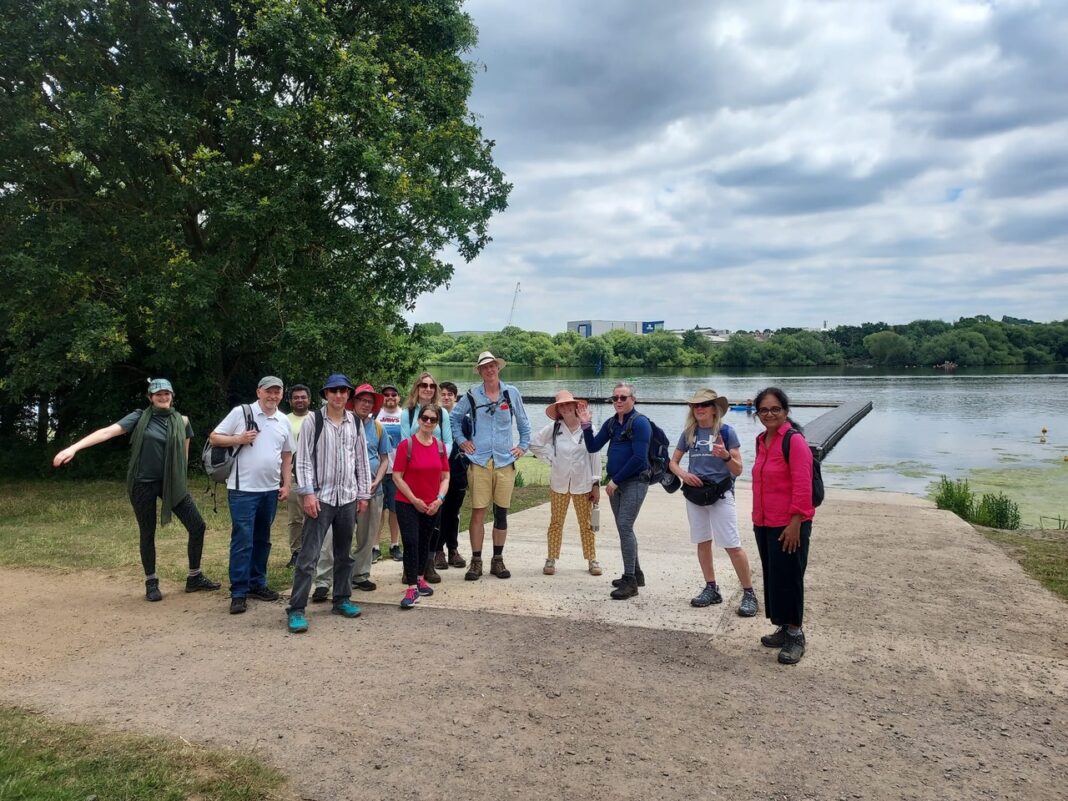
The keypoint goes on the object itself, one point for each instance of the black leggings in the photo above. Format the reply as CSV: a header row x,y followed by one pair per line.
x,y
417,530
143,498
784,574
447,534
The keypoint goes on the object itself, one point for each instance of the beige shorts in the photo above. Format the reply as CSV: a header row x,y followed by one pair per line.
x,y
489,483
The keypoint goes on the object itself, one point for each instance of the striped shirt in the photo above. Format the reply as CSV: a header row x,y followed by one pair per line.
x,y
342,467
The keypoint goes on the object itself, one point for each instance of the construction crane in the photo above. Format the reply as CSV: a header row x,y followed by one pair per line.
x,y
515,299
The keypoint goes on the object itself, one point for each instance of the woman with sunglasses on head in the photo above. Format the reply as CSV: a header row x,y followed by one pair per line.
x,y
424,391
715,460
421,473
782,522
627,435
159,460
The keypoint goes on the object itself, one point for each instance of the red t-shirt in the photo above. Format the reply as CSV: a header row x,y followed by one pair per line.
x,y
422,472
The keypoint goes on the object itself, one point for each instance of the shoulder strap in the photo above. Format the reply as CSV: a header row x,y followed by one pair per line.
x,y
411,416
471,411
315,448
378,428
786,444
250,423
508,400
556,432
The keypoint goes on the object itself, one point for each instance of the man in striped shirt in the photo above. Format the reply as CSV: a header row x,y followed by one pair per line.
x,y
334,482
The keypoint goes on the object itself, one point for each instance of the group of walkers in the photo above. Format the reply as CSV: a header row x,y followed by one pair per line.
x,y
361,464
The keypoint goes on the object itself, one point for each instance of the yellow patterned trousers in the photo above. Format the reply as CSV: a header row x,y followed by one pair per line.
x,y
558,503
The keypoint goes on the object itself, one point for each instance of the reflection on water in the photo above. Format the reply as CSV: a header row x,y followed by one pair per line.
x,y
923,424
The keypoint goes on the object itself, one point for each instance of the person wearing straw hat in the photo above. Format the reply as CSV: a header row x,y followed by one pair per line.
x,y
492,406
159,461
574,476
714,462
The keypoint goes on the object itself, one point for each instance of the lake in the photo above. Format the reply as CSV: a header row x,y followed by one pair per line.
x,y
984,425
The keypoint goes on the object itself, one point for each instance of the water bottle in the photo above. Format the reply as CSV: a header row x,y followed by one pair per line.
x,y
595,517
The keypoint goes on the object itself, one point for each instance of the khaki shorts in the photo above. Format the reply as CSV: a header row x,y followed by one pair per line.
x,y
490,483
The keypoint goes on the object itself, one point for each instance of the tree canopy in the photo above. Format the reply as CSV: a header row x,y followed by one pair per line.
x,y
212,191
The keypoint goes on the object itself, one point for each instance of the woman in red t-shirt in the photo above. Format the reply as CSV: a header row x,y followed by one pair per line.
x,y
782,522
421,474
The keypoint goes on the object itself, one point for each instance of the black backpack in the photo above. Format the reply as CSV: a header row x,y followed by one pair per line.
x,y
818,492
659,453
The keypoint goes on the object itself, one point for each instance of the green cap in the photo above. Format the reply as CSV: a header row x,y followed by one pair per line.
x,y
159,385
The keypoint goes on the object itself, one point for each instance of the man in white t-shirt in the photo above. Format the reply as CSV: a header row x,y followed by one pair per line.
x,y
389,416
261,477
300,403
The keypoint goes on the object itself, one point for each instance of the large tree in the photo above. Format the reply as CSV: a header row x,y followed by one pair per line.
x,y
211,190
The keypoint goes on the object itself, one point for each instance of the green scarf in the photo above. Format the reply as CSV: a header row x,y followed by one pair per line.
x,y
174,459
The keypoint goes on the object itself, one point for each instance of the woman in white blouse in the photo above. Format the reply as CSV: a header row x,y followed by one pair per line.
x,y
574,477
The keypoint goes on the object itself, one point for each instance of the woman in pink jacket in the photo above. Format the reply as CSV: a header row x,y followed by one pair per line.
x,y
782,522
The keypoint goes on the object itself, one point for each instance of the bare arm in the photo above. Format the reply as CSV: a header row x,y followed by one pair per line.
x,y
98,436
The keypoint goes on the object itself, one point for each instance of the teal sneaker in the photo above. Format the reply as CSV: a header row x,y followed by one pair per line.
x,y
297,622
346,608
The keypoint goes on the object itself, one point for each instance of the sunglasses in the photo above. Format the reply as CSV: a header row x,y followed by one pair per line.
x,y
703,405
427,385
619,398
336,390
769,411
426,418
390,395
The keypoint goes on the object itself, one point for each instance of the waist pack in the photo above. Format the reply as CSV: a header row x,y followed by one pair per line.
x,y
709,492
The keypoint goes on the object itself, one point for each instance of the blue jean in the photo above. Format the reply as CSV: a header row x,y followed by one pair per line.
x,y
252,514
626,502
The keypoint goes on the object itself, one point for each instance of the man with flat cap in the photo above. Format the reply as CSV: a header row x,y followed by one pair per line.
x,y
259,479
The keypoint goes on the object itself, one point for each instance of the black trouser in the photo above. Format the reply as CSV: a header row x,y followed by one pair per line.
x,y
417,530
784,574
143,499
448,532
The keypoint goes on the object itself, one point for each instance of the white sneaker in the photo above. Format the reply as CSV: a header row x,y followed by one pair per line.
x,y
550,567
595,568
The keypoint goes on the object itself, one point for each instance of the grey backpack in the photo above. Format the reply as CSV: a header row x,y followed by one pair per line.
x,y
219,461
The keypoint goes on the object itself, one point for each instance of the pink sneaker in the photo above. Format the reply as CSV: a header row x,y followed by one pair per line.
x,y
423,588
410,599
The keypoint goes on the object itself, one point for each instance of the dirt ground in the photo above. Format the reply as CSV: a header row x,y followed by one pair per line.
x,y
936,670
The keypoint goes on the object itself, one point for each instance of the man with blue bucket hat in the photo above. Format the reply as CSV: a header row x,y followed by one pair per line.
x,y
334,482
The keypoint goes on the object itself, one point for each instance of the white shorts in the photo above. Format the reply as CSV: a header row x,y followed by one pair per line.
x,y
718,522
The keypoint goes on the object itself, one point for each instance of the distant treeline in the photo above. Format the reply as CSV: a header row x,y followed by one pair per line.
x,y
969,342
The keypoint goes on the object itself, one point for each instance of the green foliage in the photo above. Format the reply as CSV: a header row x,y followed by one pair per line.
x,y
997,511
215,191
889,348
519,480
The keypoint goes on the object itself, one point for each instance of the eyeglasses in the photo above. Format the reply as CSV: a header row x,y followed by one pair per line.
x,y
390,395
426,418
769,411
619,398
427,385
702,404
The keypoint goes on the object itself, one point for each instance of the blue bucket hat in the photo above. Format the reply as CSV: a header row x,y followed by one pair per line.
x,y
336,380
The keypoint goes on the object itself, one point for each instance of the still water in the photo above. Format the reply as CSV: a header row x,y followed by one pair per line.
x,y
923,423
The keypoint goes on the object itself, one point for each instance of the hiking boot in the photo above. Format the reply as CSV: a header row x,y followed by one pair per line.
x,y
498,569
376,554
793,649
292,563
707,596
423,588
238,606
776,639
346,608
264,593
628,588
639,576
296,622
474,572
748,606
320,595
595,568
430,574
440,562
395,553
410,599
366,585
550,567
200,582
152,592
455,560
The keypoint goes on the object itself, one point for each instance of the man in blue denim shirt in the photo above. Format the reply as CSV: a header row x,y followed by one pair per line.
x,y
486,439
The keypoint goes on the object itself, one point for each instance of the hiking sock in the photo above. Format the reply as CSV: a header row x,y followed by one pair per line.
x,y
747,589
150,577
793,631
498,550
194,572
476,554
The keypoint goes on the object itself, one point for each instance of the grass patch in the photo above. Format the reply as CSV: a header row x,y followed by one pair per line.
x,y
89,525
1043,554
44,760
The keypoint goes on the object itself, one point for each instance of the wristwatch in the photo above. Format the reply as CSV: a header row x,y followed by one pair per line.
x,y
441,497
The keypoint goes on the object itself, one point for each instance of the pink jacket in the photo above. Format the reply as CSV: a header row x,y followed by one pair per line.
x,y
781,490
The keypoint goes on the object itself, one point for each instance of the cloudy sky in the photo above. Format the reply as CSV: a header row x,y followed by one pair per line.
x,y
767,164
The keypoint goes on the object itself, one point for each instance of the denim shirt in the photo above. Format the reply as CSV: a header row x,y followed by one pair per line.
x,y
493,425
